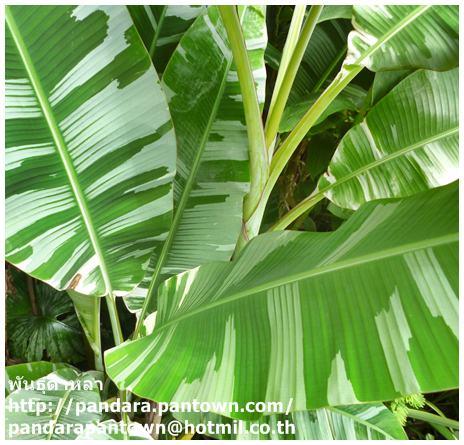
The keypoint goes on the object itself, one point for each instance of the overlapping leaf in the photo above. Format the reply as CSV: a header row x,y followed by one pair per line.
x,y
407,143
385,81
212,164
161,27
90,149
365,313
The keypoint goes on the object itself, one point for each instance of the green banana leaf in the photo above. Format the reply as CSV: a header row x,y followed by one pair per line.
x,y
354,422
331,12
431,42
212,162
111,430
88,312
24,373
366,313
323,55
407,143
41,322
352,98
63,393
90,148
161,27
321,59
385,81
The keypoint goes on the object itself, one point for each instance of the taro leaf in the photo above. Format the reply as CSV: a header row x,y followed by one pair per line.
x,y
41,322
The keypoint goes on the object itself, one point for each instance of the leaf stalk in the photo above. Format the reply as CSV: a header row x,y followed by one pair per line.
x,y
276,111
259,162
432,418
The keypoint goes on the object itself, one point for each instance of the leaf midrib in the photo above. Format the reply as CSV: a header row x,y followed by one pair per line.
x,y
57,413
321,270
393,32
60,143
159,25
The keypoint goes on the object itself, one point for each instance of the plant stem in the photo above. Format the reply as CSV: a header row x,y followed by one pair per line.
x,y
155,279
259,163
118,339
286,150
432,418
435,408
32,296
329,70
275,113
305,205
153,43
97,352
290,43
114,319
445,432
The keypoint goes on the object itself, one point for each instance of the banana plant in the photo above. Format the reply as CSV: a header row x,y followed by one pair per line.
x,y
145,149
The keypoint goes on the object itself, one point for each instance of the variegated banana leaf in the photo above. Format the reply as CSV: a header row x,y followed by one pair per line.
x,y
90,148
407,143
366,313
353,422
212,163
384,32
161,27
25,373
63,394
